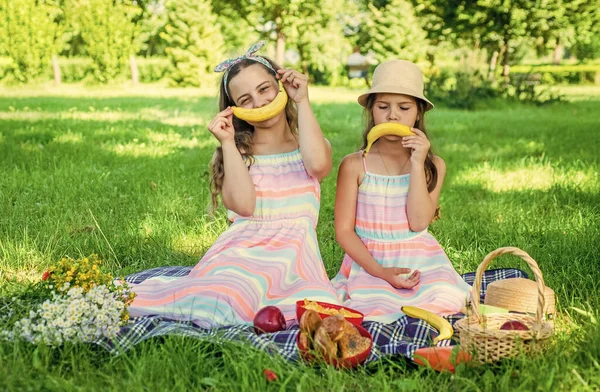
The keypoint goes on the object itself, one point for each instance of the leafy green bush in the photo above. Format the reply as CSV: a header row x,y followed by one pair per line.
x,y
77,69
460,89
29,37
153,69
470,88
194,41
562,74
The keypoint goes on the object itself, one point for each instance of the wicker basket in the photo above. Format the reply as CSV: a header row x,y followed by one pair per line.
x,y
481,335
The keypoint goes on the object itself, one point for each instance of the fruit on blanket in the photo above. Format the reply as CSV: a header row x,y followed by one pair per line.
x,y
266,112
514,325
269,319
441,358
436,321
387,128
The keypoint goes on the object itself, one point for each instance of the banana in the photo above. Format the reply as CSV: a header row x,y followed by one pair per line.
x,y
437,321
266,112
388,128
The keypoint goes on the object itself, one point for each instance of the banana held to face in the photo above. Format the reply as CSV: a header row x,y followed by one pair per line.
x,y
266,112
387,128
437,321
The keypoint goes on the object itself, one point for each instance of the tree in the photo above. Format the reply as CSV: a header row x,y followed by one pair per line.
x,y
320,41
270,19
194,41
29,36
238,35
152,22
585,18
393,32
108,30
278,20
500,26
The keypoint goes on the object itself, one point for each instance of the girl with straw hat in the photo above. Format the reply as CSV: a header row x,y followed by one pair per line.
x,y
384,203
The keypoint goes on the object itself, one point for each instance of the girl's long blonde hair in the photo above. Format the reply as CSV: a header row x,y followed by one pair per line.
x,y
431,173
244,132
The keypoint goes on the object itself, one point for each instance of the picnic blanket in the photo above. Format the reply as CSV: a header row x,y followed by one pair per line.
x,y
402,337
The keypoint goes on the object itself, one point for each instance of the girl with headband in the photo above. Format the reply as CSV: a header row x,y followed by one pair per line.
x,y
267,169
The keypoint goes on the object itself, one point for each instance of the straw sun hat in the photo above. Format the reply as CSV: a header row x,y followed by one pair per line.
x,y
397,77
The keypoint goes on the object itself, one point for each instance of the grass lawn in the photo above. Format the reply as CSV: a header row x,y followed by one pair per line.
x,y
123,172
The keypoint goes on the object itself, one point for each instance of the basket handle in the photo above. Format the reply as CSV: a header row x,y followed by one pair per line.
x,y
483,266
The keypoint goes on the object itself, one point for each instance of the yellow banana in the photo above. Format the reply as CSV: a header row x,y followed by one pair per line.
x,y
436,321
387,128
266,112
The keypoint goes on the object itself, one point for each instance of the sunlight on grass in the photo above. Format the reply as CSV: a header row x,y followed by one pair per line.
x,y
196,243
25,261
104,115
153,113
479,151
32,147
531,177
69,137
72,114
192,245
20,275
79,90
176,140
169,118
161,144
136,149
183,121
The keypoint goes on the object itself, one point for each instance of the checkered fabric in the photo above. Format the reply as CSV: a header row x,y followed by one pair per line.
x,y
403,337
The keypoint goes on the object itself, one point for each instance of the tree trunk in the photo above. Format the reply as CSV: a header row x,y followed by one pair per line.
x,y
135,75
506,62
56,69
280,48
558,53
493,63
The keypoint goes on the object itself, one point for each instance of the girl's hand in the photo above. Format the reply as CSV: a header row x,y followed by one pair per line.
x,y
295,84
419,145
392,276
222,126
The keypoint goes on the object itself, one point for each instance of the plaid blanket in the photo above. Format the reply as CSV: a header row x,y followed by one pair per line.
x,y
403,337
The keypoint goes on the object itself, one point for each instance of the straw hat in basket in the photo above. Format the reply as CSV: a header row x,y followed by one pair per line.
x,y
519,295
482,336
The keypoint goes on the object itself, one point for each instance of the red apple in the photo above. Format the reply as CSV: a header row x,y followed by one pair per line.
x,y
514,325
269,319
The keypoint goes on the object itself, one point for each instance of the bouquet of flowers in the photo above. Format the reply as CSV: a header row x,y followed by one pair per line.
x,y
82,304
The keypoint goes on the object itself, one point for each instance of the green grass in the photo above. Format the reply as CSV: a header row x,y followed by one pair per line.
x,y
122,172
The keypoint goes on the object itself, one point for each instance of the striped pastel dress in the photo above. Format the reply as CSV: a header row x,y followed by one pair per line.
x,y
382,225
271,258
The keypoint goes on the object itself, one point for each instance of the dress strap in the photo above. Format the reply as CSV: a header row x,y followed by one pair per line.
x,y
364,160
